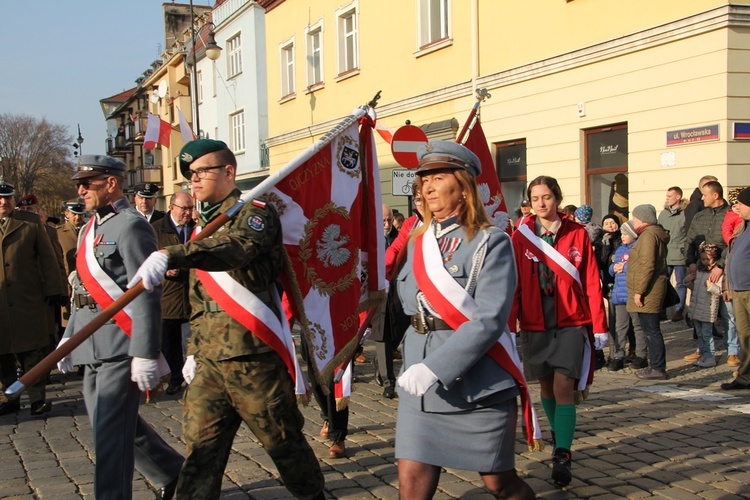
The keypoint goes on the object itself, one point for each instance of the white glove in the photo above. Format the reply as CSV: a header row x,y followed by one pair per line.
x,y
145,373
151,271
188,369
65,365
600,340
417,379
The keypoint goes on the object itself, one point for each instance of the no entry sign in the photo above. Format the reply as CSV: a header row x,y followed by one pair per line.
x,y
406,141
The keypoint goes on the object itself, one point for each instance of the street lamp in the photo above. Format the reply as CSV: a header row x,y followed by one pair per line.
x,y
213,51
78,145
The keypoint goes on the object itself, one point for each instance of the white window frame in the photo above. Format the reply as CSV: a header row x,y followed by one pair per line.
x,y
237,131
435,29
287,68
314,66
234,55
347,40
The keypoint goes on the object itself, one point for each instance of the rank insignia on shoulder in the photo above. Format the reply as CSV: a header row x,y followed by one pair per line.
x,y
259,204
256,223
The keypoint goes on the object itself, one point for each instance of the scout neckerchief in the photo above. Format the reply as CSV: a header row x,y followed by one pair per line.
x,y
252,313
102,288
545,253
456,306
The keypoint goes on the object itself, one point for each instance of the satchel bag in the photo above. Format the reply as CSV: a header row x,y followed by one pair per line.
x,y
671,298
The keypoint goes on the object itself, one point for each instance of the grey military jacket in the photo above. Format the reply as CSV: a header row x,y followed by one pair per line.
x,y
125,240
468,378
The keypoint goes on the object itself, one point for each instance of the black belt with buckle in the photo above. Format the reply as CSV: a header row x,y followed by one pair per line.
x,y
81,300
428,324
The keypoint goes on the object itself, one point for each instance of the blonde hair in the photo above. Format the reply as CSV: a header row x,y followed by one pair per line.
x,y
471,213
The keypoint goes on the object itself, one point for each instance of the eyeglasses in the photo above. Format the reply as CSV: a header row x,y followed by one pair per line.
x,y
86,183
184,209
201,172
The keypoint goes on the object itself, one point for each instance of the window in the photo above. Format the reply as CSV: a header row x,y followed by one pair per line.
x,y
434,21
237,127
234,61
348,40
199,81
314,56
511,170
287,68
607,170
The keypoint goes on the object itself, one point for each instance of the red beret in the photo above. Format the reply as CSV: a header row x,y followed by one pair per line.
x,y
27,201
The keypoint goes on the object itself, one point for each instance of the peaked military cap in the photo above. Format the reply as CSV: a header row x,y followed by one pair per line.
x,y
195,149
7,189
94,165
146,189
438,155
75,207
27,201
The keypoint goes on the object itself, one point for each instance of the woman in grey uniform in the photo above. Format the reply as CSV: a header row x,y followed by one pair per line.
x,y
457,401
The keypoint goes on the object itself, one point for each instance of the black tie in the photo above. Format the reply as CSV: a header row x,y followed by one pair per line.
x,y
181,233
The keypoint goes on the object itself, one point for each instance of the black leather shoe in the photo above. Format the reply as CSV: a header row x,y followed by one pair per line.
x,y
174,388
168,491
10,407
734,386
40,407
390,390
378,379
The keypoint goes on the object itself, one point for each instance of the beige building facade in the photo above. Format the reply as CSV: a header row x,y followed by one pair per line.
x,y
646,95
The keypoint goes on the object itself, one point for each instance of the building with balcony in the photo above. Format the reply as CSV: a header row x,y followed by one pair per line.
x,y
164,91
652,94
232,93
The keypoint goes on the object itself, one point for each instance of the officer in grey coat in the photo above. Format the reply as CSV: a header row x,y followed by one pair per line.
x,y
457,405
119,365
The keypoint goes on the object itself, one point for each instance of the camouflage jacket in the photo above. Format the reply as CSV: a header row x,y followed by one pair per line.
x,y
249,248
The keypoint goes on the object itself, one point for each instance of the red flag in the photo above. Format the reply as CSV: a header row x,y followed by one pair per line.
x,y
157,132
329,208
488,182
385,131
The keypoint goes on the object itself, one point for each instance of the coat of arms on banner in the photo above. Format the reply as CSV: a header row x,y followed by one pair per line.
x,y
348,156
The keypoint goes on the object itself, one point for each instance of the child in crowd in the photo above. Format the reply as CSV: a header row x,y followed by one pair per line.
x,y
704,303
583,215
623,320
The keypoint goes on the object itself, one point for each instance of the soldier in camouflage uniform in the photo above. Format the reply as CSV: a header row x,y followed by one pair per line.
x,y
233,376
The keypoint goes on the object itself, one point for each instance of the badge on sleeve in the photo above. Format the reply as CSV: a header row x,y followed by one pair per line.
x,y
256,223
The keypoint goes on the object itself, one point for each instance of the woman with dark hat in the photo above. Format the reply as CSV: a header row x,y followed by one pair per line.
x,y
461,375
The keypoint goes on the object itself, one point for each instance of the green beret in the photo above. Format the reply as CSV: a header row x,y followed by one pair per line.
x,y
195,149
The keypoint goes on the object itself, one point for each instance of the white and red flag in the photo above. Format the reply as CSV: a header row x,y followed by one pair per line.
x,y
185,131
330,207
157,132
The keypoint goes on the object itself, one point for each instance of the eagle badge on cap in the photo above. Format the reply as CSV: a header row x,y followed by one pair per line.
x,y
186,157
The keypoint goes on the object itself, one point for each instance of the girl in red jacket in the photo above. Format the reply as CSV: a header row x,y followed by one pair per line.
x,y
558,305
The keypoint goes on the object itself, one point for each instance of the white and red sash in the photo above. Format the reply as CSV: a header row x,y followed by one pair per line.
x,y
455,306
102,288
252,313
562,268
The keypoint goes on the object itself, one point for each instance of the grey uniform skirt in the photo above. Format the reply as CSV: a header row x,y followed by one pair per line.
x,y
481,440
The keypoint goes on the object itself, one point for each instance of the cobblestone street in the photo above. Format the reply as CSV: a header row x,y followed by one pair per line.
x,y
682,438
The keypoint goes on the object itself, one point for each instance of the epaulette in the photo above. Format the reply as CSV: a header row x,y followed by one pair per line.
x,y
25,216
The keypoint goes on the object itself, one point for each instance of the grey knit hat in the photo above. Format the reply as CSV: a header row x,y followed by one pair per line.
x,y
629,228
645,213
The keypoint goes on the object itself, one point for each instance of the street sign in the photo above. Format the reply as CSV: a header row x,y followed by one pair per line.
x,y
401,181
406,141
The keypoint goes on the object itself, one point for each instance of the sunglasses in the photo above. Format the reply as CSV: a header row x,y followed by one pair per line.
x,y
86,183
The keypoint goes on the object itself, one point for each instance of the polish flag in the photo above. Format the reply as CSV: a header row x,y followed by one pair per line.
x,y
157,132
385,131
185,130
